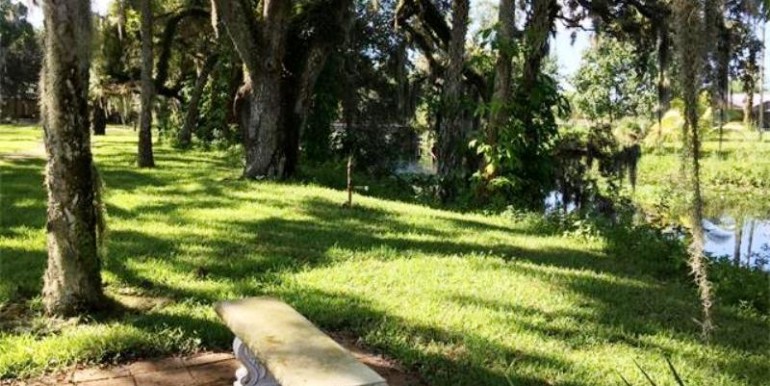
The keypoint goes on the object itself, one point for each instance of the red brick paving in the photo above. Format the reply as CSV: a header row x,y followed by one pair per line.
x,y
207,369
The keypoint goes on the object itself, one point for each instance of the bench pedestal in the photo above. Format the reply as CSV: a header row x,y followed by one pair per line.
x,y
280,347
252,372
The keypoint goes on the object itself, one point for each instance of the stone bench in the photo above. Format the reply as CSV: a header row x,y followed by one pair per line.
x,y
279,347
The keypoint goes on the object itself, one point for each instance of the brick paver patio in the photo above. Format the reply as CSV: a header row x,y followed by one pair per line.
x,y
209,369
205,369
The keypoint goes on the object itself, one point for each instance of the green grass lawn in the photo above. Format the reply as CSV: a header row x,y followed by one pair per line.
x,y
735,182
460,299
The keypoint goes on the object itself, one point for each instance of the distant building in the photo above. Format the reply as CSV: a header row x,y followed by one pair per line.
x,y
739,100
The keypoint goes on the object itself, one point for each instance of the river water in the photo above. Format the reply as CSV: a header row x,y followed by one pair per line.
x,y
747,242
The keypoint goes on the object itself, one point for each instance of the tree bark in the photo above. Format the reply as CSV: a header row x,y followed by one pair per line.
x,y
99,117
281,79
72,279
664,85
261,46
502,89
145,157
538,28
184,137
450,130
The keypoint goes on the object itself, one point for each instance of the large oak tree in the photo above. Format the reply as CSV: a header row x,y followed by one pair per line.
x,y
72,279
283,48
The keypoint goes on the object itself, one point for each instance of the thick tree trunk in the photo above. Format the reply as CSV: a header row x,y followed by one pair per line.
x,y
145,157
538,29
451,151
263,137
72,278
502,92
281,80
184,138
261,46
99,117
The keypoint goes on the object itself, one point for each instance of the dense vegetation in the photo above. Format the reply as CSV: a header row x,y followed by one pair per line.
x,y
520,227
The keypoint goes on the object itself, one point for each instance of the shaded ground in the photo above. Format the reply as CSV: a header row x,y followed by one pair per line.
x,y
457,299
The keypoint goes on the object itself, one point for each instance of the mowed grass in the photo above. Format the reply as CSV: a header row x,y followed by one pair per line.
x,y
459,299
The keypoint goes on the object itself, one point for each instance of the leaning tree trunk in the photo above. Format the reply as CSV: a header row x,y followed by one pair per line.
x,y
145,157
193,107
451,151
72,278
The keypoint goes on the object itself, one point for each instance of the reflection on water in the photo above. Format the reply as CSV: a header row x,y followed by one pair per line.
x,y
746,243
555,201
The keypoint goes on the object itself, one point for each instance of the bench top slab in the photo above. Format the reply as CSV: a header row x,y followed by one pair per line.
x,y
294,350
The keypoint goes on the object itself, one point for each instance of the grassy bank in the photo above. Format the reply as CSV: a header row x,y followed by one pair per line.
x,y
735,181
460,299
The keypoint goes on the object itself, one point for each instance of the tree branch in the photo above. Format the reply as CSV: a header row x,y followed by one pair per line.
x,y
243,29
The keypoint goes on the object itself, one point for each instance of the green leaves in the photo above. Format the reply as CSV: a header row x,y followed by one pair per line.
x,y
609,84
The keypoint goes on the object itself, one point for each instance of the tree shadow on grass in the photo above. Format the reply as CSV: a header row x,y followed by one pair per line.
x,y
22,196
630,315
248,257
447,366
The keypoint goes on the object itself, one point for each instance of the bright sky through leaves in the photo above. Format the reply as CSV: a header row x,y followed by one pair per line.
x,y
567,53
